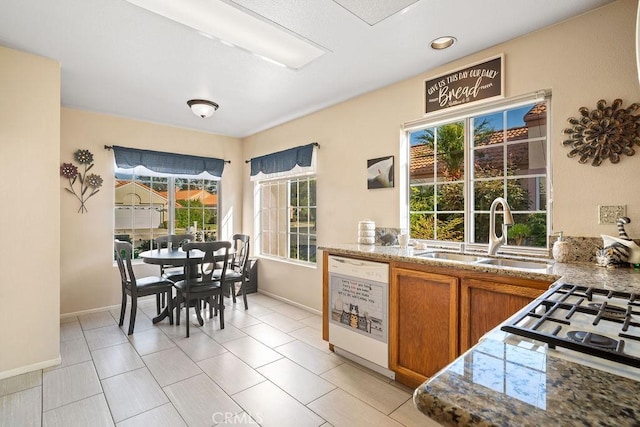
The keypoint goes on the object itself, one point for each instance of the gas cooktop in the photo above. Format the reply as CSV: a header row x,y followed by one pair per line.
x,y
589,323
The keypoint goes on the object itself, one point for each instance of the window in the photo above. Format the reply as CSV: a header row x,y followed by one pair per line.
x,y
147,207
287,218
500,153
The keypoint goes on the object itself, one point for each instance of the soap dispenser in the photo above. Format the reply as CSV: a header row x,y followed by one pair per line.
x,y
560,249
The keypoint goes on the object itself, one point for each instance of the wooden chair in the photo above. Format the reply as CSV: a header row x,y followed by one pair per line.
x,y
238,270
201,285
169,271
152,285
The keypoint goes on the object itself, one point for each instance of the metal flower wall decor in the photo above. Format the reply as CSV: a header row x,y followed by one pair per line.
x,y
603,133
87,181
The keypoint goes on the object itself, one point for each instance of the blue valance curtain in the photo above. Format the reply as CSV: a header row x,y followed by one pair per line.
x,y
158,163
283,161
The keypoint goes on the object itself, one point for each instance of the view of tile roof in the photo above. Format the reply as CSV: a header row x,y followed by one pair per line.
x,y
207,198
204,196
422,158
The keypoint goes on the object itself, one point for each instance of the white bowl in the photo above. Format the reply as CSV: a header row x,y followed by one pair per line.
x,y
366,225
366,240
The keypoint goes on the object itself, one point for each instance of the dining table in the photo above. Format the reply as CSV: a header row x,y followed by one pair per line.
x,y
176,257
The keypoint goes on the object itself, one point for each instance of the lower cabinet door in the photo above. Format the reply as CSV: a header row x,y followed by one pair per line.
x,y
423,324
484,305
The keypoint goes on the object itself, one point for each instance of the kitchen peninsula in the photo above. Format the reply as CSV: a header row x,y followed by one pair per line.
x,y
501,381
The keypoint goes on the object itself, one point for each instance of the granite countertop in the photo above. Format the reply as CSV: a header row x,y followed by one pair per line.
x,y
588,274
497,383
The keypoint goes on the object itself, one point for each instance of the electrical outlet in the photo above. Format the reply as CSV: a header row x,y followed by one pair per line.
x,y
609,214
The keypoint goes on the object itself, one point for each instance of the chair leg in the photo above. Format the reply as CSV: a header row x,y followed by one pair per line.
x,y
157,303
221,310
169,306
232,289
210,301
132,316
199,313
178,307
244,295
123,308
187,304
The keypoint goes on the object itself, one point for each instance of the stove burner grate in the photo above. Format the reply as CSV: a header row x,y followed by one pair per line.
x,y
558,305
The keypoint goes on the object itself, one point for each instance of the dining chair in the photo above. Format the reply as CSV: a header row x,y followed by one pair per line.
x,y
201,285
138,287
171,272
238,269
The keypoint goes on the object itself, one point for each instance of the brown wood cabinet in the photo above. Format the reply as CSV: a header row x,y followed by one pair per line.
x,y
437,313
485,304
423,324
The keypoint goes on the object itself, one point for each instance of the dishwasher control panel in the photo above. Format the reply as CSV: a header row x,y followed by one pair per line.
x,y
377,271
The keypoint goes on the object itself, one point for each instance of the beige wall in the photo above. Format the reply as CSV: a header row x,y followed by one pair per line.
x,y
88,277
30,212
583,60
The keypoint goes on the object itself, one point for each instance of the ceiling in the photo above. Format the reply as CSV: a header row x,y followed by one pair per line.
x,y
119,59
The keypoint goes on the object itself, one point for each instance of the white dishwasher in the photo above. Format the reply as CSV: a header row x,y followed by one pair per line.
x,y
359,310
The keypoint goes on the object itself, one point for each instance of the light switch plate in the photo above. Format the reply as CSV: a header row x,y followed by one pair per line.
x,y
609,214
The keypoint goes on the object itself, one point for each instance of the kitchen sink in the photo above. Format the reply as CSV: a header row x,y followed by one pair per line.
x,y
525,265
476,259
450,256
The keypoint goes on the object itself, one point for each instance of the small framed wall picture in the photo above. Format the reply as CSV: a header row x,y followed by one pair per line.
x,y
380,172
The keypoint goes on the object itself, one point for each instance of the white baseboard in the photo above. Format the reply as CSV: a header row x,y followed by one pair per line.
x,y
100,309
288,301
90,311
29,368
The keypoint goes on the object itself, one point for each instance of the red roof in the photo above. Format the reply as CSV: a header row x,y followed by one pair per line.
x,y
207,199
421,156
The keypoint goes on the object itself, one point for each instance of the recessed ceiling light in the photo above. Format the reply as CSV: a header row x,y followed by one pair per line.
x,y
442,42
238,27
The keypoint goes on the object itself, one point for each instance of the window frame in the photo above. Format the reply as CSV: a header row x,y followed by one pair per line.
x,y
466,114
259,231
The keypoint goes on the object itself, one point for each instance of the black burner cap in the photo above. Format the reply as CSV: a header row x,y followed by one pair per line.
x,y
591,339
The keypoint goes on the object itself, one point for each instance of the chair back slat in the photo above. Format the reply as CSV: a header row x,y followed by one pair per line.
x,y
124,254
177,240
241,249
207,265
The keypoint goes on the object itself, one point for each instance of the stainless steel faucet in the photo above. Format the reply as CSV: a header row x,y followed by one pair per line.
x,y
494,241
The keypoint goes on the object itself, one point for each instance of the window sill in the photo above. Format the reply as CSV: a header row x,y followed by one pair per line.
x,y
312,265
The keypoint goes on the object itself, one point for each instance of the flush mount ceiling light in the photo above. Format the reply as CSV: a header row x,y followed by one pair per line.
x,y
442,42
239,28
202,107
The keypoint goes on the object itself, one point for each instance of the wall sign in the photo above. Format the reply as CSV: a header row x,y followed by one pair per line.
x,y
479,82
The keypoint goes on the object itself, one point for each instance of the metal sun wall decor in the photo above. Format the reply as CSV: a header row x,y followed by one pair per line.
x,y
87,181
603,133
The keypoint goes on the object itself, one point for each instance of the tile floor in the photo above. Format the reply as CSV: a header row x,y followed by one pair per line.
x,y
268,366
